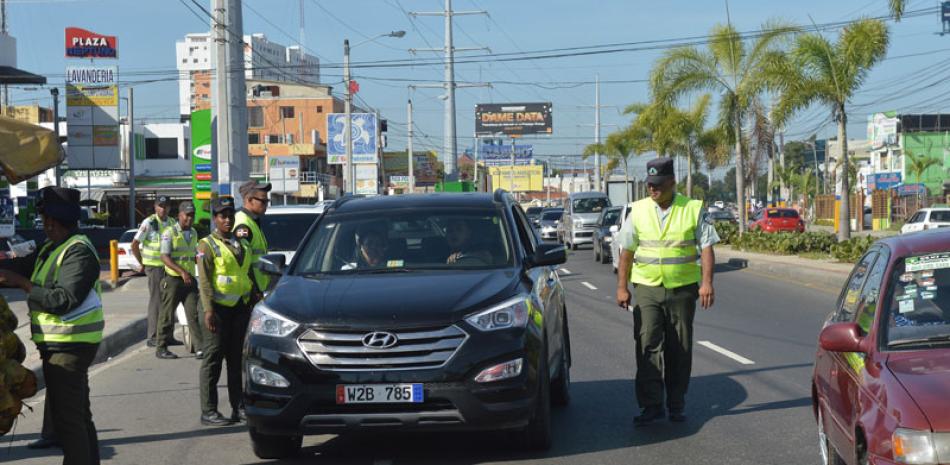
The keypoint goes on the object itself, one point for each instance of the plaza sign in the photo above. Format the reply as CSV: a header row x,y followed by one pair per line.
x,y
81,43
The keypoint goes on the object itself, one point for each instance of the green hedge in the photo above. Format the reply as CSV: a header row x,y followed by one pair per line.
x,y
790,243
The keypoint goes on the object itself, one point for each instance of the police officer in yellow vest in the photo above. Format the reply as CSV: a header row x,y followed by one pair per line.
x,y
145,248
224,283
180,286
667,254
66,319
247,226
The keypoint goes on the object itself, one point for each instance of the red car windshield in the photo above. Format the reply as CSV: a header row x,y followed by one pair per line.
x,y
778,213
918,314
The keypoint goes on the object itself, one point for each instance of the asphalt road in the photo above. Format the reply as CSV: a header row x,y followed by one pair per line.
x,y
749,401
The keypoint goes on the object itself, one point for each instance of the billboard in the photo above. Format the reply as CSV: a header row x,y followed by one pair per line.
x,y
425,165
201,162
284,174
526,178
883,181
497,155
363,133
366,179
513,119
882,129
92,114
81,43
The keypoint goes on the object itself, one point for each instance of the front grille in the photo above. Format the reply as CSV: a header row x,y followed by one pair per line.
x,y
414,349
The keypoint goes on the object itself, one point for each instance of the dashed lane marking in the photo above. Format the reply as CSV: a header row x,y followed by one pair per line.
x,y
589,285
728,353
564,270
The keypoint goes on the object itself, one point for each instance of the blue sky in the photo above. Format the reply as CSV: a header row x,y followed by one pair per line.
x,y
147,31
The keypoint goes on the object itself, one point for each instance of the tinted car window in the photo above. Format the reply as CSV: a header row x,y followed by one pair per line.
x,y
919,302
552,215
611,217
127,236
590,205
783,214
284,231
848,300
917,218
533,211
870,294
721,215
940,216
404,240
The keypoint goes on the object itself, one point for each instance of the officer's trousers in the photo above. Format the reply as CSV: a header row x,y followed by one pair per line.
x,y
175,291
663,328
155,274
67,394
224,346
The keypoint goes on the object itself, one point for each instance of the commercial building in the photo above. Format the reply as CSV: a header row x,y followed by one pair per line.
x,y
33,114
900,139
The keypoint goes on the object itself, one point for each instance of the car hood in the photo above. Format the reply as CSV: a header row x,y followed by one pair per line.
x,y
925,375
548,223
588,218
392,301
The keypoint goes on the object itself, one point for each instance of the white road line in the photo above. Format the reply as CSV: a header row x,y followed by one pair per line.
x,y
589,285
727,353
564,270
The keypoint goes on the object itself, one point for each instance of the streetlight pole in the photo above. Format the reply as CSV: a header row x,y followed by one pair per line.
x,y
131,141
412,177
55,93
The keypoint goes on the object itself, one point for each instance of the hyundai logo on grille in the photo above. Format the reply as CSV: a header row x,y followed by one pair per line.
x,y
379,340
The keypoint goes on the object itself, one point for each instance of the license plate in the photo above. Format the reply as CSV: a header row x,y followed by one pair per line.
x,y
378,393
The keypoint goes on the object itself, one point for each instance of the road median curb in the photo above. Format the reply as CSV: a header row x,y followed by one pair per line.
x,y
823,275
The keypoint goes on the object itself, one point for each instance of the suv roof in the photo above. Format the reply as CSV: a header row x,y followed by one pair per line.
x,y
436,200
588,195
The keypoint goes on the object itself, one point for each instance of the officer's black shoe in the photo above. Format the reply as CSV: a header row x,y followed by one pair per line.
x,y
214,419
166,354
239,415
151,343
649,415
174,342
199,355
677,415
44,443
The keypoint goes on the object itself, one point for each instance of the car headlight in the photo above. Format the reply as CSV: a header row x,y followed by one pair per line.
x,y
578,223
265,377
915,447
268,323
512,313
608,238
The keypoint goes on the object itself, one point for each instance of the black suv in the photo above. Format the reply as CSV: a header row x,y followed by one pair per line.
x,y
414,312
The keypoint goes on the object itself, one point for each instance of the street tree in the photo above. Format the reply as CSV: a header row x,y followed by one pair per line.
x,y
729,67
919,164
618,147
818,71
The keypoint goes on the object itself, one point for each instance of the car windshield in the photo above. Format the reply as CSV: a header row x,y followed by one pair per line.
x,y
533,211
940,216
127,236
594,205
919,304
612,217
552,215
721,215
284,231
404,240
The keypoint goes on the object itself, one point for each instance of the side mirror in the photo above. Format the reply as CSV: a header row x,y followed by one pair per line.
x,y
549,254
614,229
273,264
842,337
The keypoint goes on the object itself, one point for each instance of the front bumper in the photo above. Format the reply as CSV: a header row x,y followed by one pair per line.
x,y
549,233
452,400
582,235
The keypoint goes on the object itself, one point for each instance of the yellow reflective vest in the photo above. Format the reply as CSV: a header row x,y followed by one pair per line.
x,y
258,245
183,252
83,324
151,244
230,281
666,257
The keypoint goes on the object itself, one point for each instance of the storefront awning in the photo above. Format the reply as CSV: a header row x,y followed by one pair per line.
x,y
11,75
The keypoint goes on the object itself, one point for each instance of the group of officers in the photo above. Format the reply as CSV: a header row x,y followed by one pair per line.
x,y
212,277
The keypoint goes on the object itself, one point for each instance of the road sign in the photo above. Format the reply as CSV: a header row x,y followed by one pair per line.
x,y
284,174
92,114
366,179
363,133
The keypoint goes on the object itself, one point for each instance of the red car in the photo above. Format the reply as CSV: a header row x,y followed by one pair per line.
x,y
881,386
772,220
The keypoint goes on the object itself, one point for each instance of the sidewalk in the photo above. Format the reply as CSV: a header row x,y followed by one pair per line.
x,y
125,314
826,275
831,230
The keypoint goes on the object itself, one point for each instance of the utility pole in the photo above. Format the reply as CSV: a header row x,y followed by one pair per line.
x,y
4,90
449,142
229,92
349,178
412,177
302,36
131,141
597,126
54,92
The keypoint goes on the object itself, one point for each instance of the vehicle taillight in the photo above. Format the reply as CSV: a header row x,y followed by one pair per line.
x,y
121,252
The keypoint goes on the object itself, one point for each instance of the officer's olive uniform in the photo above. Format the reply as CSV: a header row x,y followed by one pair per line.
x,y
181,247
66,320
257,243
665,275
224,282
149,235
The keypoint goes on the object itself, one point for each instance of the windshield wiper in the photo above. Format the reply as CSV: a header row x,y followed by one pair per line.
x,y
381,270
943,338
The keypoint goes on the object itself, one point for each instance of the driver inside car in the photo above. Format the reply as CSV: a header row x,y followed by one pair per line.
x,y
371,240
462,247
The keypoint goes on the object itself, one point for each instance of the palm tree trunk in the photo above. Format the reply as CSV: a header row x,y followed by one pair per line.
x,y
844,227
740,174
626,179
689,173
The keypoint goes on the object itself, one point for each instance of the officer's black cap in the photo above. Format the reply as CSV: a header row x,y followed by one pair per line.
x,y
660,170
253,186
60,203
186,207
161,200
222,204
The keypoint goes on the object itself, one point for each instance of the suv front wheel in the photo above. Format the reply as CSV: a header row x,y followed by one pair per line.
x,y
274,447
537,435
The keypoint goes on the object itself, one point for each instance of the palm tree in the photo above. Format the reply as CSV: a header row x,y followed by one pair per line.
x,y
731,68
617,148
897,8
830,74
919,164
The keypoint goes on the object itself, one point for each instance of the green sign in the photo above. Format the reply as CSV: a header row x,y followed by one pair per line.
x,y
201,163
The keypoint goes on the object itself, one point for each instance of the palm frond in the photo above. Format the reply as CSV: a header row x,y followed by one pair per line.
x,y
897,8
728,48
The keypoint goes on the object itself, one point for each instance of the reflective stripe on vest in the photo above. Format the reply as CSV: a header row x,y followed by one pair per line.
x,y
151,244
258,246
83,324
666,257
230,281
183,252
